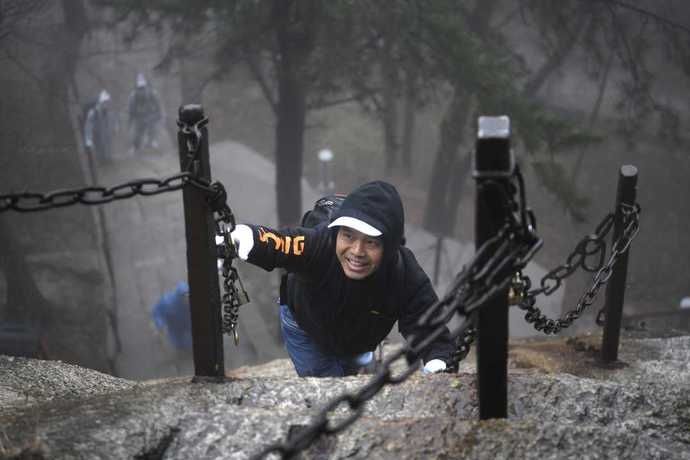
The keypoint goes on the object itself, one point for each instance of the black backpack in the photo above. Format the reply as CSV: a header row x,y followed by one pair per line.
x,y
322,211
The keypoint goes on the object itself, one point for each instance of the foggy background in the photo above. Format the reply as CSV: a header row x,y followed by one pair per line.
x,y
393,89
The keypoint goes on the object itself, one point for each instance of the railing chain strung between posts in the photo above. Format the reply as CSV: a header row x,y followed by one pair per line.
x,y
96,195
590,247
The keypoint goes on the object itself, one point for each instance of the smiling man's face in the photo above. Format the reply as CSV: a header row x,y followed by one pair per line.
x,y
360,255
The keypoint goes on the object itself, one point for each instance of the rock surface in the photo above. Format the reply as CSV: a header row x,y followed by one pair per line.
x,y
562,404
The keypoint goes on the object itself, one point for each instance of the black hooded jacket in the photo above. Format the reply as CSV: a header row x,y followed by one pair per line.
x,y
342,315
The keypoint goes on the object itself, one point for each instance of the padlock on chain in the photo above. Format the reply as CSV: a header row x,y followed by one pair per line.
x,y
516,293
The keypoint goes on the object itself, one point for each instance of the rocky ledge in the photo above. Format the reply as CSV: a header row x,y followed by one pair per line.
x,y
562,404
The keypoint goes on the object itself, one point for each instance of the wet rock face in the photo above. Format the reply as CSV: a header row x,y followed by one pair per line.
x,y
638,410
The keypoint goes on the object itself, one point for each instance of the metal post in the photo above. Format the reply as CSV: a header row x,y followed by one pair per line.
x,y
492,163
615,290
202,271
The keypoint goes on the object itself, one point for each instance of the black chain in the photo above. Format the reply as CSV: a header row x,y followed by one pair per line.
x,y
603,272
193,140
590,247
96,195
487,275
463,346
234,294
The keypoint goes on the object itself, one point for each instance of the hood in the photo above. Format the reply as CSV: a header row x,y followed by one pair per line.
x,y
103,96
377,204
182,288
141,80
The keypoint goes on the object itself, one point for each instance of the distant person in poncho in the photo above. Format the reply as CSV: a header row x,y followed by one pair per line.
x,y
145,114
171,316
99,125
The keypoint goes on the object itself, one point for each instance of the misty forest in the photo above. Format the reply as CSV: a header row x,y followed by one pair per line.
x,y
307,97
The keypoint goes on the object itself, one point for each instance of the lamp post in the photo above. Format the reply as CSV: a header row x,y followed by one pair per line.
x,y
326,183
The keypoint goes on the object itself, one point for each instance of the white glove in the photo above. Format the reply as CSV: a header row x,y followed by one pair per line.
x,y
434,366
243,237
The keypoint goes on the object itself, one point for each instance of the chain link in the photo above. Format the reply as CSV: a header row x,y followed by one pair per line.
x,y
94,195
603,272
234,294
590,245
193,141
463,346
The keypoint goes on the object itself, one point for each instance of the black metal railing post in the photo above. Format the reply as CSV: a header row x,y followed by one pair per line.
x,y
202,271
492,162
615,290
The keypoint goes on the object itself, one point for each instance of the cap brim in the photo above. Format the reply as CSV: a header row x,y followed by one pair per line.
x,y
356,224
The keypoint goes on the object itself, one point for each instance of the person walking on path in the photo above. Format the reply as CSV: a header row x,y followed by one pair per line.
x,y
349,281
98,128
145,113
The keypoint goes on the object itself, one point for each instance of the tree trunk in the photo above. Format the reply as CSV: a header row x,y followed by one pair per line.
x,y
295,28
191,78
409,120
460,173
446,178
390,106
290,122
593,116
441,197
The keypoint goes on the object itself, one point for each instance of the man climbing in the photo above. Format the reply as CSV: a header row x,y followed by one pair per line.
x,y
349,281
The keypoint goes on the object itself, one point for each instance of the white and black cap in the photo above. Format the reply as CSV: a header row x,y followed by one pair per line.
x,y
357,224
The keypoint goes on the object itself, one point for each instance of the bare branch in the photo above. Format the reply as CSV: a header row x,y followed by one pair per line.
x,y
258,74
630,58
660,19
344,100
